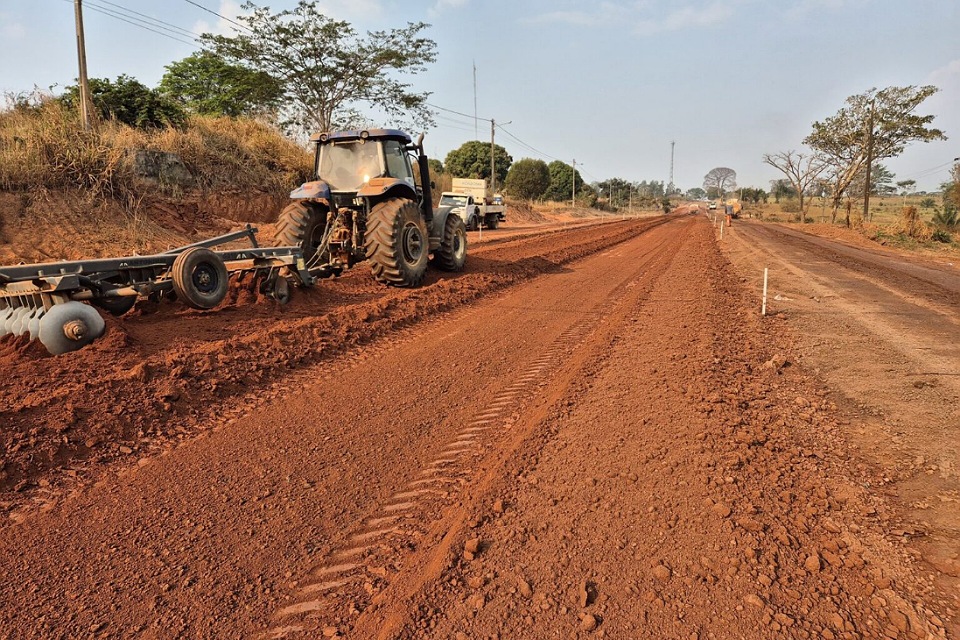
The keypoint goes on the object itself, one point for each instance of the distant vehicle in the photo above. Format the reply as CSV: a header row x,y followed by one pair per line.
x,y
733,208
469,200
712,205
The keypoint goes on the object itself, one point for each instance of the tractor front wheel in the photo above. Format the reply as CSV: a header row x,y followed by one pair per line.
x,y
302,225
452,253
397,243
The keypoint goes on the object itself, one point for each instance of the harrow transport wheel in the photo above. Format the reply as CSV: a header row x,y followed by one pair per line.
x,y
302,225
200,278
115,306
452,253
397,243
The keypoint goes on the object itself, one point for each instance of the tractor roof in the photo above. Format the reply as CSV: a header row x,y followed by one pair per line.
x,y
369,134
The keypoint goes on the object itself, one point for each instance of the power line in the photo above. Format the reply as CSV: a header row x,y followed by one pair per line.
x,y
459,113
525,145
242,26
121,18
929,172
528,146
147,17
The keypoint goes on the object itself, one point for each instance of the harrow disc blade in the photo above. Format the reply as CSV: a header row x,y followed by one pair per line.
x,y
16,323
70,326
5,315
33,326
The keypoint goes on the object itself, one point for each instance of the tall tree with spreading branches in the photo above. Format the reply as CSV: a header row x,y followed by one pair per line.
x,y
874,125
721,180
332,77
801,169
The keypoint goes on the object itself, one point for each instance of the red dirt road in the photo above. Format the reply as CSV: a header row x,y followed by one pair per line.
x,y
589,433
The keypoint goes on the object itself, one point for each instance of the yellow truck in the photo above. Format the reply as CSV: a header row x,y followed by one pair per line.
x,y
732,207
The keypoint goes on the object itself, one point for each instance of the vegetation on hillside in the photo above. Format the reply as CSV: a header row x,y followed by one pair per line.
x,y
43,144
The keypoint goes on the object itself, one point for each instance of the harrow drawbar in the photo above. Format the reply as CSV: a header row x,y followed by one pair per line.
x,y
46,301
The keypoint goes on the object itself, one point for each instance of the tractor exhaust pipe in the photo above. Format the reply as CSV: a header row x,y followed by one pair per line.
x,y
426,206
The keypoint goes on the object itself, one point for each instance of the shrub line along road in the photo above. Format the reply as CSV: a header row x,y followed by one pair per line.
x,y
613,445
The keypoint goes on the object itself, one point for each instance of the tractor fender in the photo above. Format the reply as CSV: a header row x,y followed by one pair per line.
x,y
378,187
311,191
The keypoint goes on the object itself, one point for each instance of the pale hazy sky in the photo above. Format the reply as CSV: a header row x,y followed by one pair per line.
x,y
607,83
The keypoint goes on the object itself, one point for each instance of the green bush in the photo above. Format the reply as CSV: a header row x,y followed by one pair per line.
x,y
129,102
941,236
947,217
790,205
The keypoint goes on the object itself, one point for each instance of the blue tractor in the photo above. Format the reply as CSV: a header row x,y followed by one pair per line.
x,y
371,200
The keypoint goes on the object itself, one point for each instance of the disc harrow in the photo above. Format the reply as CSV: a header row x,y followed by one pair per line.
x,y
48,301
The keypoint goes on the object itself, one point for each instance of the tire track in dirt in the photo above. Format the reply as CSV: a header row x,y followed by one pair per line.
x,y
508,415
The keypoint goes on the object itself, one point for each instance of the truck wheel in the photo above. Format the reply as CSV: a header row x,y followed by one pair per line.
x,y
397,243
492,221
452,253
200,278
302,225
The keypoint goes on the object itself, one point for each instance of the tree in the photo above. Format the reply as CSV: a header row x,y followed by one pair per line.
x,y
618,192
951,190
128,101
906,186
753,194
721,179
528,179
696,194
472,160
874,125
435,165
801,170
205,83
781,189
562,177
327,71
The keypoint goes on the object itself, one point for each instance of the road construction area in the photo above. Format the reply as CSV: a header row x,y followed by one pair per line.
x,y
590,432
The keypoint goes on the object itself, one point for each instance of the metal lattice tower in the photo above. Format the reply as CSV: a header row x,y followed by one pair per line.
x,y
673,143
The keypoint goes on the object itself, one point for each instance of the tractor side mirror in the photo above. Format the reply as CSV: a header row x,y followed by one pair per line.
x,y
433,185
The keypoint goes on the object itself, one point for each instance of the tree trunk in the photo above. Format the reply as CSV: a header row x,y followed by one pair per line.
x,y
849,205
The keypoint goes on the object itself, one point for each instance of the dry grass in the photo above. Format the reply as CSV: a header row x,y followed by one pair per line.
x,y
896,222
44,146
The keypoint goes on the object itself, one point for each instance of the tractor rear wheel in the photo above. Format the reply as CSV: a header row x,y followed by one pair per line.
x,y
397,243
302,225
452,253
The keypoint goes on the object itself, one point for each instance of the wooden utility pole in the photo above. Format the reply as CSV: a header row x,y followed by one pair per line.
x,y
86,104
574,181
493,162
866,186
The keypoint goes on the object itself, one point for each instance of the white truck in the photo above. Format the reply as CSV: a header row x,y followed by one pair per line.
x,y
469,200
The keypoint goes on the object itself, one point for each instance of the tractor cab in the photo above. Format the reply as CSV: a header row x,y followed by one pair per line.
x,y
350,162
